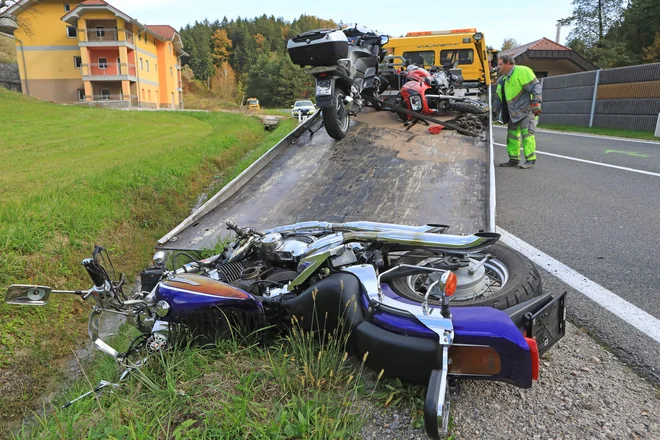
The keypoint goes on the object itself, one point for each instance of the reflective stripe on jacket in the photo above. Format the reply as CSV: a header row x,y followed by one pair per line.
x,y
520,88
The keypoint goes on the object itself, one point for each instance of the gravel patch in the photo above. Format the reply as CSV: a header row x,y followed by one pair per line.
x,y
583,392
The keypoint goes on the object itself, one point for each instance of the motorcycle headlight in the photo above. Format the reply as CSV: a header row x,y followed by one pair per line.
x,y
162,308
416,103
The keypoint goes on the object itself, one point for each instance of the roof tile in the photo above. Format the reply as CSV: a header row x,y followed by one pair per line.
x,y
163,30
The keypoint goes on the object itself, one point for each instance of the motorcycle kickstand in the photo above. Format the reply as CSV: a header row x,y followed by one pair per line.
x,y
102,384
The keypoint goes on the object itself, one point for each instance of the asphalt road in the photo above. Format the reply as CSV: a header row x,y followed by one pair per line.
x,y
602,222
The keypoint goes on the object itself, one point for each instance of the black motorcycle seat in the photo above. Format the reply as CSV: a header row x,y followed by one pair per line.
x,y
332,302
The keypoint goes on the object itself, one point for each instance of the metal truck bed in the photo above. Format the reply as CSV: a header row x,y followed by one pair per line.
x,y
379,172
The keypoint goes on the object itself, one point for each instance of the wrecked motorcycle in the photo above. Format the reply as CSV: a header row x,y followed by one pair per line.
x,y
426,305
433,92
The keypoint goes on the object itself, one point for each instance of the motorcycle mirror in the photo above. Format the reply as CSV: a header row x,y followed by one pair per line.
x,y
384,39
160,259
30,295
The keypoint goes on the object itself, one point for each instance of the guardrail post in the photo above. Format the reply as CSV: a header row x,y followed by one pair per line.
x,y
593,101
657,127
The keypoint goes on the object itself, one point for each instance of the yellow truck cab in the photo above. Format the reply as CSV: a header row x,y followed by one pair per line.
x,y
253,104
462,48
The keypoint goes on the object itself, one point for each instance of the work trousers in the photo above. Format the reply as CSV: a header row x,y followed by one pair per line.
x,y
524,128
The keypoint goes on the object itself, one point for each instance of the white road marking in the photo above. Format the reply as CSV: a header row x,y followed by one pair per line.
x,y
593,136
611,302
633,170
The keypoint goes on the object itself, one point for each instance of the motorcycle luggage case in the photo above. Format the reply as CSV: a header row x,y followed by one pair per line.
x,y
320,47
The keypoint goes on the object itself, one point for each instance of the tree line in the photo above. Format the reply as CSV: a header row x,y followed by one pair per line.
x,y
232,59
610,33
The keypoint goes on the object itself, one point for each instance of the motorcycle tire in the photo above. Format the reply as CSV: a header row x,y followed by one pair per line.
x,y
524,281
335,117
401,103
468,107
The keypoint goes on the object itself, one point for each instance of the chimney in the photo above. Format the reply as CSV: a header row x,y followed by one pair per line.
x,y
558,33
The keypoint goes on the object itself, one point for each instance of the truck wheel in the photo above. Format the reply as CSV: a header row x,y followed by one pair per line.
x,y
468,107
335,117
503,281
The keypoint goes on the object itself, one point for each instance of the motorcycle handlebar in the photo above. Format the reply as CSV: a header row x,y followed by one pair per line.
x,y
96,277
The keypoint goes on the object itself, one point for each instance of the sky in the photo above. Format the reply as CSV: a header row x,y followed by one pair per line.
x,y
525,21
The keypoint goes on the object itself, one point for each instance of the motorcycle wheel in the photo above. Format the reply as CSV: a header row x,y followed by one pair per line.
x,y
335,117
401,103
508,279
468,107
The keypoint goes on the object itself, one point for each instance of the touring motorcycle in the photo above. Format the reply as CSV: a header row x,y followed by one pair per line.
x,y
425,304
345,66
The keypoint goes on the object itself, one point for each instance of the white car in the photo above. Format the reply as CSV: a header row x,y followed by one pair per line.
x,y
303,107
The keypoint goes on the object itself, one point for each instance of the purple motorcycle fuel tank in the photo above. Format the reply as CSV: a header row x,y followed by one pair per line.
x,y
187,293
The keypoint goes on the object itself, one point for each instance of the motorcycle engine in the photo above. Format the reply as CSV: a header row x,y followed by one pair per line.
x,y
275,264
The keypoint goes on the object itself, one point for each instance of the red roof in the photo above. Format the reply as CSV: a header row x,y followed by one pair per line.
x,y
163,30
93,2
542,44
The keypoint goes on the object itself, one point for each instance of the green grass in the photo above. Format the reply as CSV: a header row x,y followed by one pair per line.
x,y
299,387
634,134
78,176
73,177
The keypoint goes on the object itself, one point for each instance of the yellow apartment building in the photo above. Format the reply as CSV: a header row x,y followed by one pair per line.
x,y
92,52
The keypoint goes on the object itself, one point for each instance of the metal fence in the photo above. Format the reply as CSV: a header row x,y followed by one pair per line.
x,y
625,97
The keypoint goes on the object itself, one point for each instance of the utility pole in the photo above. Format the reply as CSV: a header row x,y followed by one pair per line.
x,y
558,32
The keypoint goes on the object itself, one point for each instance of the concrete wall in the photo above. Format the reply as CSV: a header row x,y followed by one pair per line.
x,y
626,98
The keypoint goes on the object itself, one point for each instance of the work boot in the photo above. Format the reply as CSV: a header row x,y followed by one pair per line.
x,y
510,163
528,164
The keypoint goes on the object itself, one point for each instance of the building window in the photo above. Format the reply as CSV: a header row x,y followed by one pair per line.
x,y
105,94
156,66
81,94
71,32
149,93
141,65
77,62
147,65
103,63
171,72
142,94
169,46
67,7
100,31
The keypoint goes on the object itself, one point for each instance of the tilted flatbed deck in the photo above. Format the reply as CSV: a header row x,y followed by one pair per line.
x,y
379,172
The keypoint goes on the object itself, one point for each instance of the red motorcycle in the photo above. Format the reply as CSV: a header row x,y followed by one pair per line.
x,y
433,92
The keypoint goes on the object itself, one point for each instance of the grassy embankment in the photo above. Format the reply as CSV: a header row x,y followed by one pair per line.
x,y
615,132
72,177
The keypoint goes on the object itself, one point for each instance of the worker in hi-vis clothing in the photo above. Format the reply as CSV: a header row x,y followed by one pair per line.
x,y
519,99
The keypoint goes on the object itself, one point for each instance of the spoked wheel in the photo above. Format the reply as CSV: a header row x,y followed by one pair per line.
x,y
335,117
500,277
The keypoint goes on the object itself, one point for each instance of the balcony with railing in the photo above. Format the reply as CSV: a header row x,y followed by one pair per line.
x,y
106,37
109,71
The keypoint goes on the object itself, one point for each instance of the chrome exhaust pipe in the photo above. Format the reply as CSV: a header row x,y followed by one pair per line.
x,y
315,228
458,244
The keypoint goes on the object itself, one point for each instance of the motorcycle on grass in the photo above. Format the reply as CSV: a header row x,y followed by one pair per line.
x,y
387,286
